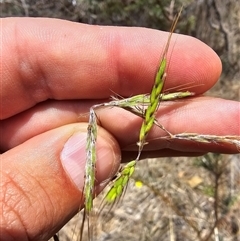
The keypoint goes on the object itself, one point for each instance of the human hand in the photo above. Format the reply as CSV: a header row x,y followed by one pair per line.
x,y
52,71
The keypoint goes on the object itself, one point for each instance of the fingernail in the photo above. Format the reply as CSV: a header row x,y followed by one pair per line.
x,y
73,158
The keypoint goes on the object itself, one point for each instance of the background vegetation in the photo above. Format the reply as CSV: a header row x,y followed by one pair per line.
x,y
168,198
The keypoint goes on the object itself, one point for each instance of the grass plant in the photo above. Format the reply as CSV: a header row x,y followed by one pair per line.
x,y
146,107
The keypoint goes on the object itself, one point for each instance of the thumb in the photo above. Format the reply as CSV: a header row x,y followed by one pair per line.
x,y
42,180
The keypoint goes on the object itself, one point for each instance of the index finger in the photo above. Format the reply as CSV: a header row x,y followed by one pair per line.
x,y
56,59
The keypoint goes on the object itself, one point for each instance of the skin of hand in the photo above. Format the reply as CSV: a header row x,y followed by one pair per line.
x,y
52,71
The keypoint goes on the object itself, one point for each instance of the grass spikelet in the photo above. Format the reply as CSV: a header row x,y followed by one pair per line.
x,y
90,162
176,95
143,100
149,116
120,182
89,181
231,140
155,94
